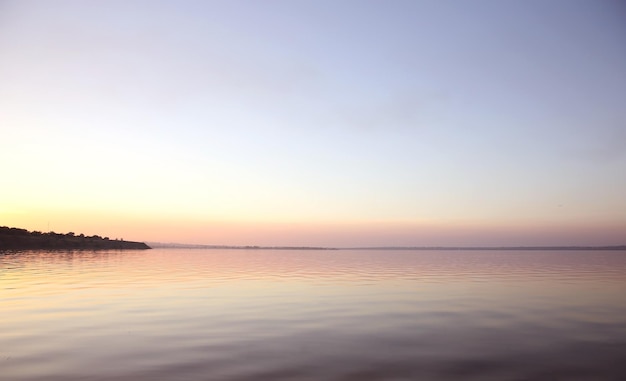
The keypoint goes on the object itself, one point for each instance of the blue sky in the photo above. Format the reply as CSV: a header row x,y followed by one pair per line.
x,y
312,122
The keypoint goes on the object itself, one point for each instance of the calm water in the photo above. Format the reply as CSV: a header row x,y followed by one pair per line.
x,y
313,315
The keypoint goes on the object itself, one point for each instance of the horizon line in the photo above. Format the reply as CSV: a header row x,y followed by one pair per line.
x,y
290,247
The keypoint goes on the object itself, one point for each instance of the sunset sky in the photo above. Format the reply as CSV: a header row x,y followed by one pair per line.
x,y
333,123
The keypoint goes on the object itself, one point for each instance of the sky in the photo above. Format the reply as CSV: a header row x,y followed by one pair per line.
x,y
316,123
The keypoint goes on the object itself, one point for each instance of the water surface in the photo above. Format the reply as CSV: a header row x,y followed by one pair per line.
x,y
174,314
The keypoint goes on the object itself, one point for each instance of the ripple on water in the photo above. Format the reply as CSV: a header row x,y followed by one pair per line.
x,y
312,315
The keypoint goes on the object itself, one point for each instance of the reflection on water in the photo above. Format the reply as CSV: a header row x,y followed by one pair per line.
x,y
312,315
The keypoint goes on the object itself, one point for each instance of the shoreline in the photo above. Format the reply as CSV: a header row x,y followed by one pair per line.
x,y
21,239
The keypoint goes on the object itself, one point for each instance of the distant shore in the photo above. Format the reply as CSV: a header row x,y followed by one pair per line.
x,y
22,239
158,245
161,245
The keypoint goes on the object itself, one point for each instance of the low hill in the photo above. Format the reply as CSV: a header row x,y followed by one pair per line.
x,y
22,239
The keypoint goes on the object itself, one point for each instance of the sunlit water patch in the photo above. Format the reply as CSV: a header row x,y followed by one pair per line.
x,y
312,315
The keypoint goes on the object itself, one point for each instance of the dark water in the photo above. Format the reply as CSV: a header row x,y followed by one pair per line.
x,y
313,315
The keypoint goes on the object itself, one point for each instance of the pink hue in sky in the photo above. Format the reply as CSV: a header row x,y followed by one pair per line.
x,y
351,123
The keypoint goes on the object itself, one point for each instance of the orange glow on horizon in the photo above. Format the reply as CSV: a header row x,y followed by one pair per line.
x,y
169,229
